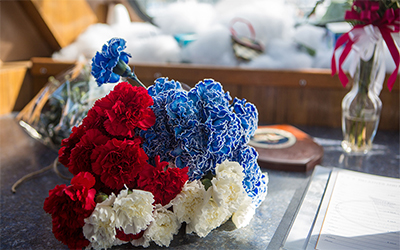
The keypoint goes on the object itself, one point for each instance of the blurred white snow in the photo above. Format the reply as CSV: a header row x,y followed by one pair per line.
x,y
287,45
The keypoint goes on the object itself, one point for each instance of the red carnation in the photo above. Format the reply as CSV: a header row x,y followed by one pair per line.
x,y
69,206
69,143
126,108
164,185
72,237
79,160
119,162
94,120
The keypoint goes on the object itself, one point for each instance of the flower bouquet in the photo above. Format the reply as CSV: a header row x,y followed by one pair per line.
x,y
148,161
61,105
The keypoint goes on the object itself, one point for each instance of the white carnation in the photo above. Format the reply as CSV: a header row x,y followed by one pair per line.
x,y
188,201
225,197
142,241
245,213
229,169
99,227
209,217
163,228
227,187
133,211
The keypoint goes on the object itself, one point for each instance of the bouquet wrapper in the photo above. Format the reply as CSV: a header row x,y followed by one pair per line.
x,y
60,105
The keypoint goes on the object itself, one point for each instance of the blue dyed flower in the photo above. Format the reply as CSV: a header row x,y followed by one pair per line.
x,y
222,123
200,129
208,94
254,182
248,116
162,86
111,63
179,106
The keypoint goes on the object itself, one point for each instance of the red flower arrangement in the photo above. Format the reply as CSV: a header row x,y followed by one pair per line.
x,y
79,159
105,155
106,144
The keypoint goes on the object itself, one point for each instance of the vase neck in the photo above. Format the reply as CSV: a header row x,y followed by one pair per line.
x,y
367,70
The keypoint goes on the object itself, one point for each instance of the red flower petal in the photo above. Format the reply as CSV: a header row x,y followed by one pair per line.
x,y
85,179
69,143
69,206
118,163
164,185
124,109
80,155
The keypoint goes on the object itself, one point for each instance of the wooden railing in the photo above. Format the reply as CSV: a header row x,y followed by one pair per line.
x,y
299,97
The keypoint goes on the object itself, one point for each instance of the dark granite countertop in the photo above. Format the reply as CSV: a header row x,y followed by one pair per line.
x,y
25,225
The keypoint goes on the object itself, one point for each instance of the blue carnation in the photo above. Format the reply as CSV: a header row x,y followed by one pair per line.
x,y
200,129
111,63
254,181
162,85
179,107
248,116
222,124
160,138
208,94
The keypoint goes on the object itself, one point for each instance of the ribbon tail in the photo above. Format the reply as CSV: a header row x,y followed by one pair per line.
x,y
341,40
395,55
342,76
380,76
333,64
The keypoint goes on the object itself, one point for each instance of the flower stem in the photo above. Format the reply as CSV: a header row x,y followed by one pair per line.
x,y
134,77
124,70
33,174
358,128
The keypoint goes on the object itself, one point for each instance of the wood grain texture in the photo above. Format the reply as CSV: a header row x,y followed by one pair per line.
x,y
12,93
19,37
277,94
60,21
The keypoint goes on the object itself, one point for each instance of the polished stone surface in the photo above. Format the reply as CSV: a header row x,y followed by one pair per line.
x,y
25,225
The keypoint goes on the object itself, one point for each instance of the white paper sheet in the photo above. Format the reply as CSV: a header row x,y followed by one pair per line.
x,y
363,212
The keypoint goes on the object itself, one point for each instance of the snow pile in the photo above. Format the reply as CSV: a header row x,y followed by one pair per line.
x,y
287,46
147,43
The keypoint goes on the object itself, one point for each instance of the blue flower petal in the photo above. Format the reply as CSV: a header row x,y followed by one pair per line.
x,y
103,63
200,129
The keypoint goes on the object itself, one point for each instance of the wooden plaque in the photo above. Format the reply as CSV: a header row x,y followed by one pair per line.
x,y
284,147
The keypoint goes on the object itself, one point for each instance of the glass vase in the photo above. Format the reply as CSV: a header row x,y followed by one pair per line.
x,y
361,107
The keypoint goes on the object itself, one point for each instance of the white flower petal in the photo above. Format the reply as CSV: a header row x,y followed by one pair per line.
x,y
133,211
142,241
245,213
229,168
163,228
209,217
227,187
99,227
188,201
